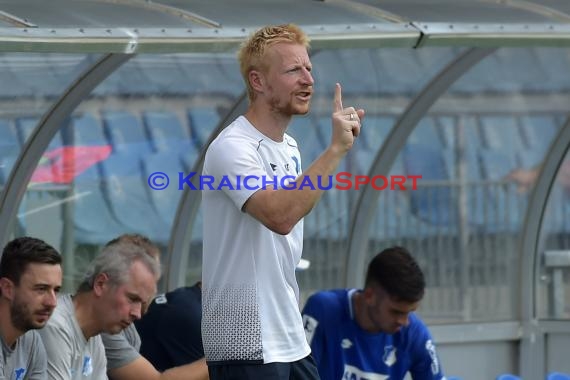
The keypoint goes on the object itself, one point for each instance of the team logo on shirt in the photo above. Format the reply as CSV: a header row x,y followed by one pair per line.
x,y
389,357
20,372
310,325
160,299
87,366
346,343
273,166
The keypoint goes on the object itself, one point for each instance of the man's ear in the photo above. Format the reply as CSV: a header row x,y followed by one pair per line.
x,y
256,80
368,293
7,288
101,281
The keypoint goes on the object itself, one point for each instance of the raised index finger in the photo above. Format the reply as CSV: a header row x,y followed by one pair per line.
x,y
337,103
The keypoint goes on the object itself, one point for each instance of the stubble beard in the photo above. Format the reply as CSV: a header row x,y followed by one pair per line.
x,y
21,317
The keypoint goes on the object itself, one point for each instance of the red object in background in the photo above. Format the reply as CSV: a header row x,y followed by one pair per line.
x,y
62,165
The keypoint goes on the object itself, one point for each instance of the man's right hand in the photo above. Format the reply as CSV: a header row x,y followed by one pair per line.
x,y
346,123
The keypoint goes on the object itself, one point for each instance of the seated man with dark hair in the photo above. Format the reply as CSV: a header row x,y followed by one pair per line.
x,y
373,333
170,331
30,279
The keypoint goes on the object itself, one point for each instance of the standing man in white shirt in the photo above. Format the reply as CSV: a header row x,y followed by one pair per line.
x,y
253,234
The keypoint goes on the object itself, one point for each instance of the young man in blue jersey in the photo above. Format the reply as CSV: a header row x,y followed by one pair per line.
x,y
373,333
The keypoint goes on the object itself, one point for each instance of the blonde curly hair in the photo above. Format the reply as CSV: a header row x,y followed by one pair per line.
x,y
252,51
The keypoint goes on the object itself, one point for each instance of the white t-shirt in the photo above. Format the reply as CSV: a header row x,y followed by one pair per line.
x,y
70,355
250,293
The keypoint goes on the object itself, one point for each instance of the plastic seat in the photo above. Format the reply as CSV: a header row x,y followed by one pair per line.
x,y
203,122
426,133
353,82
203,74
134,81
433,203
93,221
127,191
166,130
126,133
375,129
507,205
85,129
165,201
448,127
9,148
538,132
25,127
501,132
508,376
557,376
400,71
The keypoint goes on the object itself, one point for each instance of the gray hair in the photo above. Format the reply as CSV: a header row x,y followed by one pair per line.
x,y
115,261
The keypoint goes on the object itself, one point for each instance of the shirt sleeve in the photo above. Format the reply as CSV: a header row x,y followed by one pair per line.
x,y
315,329
118,350
58,343
425,361
236,163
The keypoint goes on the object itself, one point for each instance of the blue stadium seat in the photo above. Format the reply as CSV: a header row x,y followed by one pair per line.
x,y
126,132
553,62
432,203
93,221
501,132
327,64
486,76
166,74
133,80
166,130
507,206
12,87
9,148
203,75
557,376
353,82
538,132
34,76
165,201
203,122
25,126
332,215
375,129
448,127
127,191
400,71
230,74
87,130
521,70
507,376
425,133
